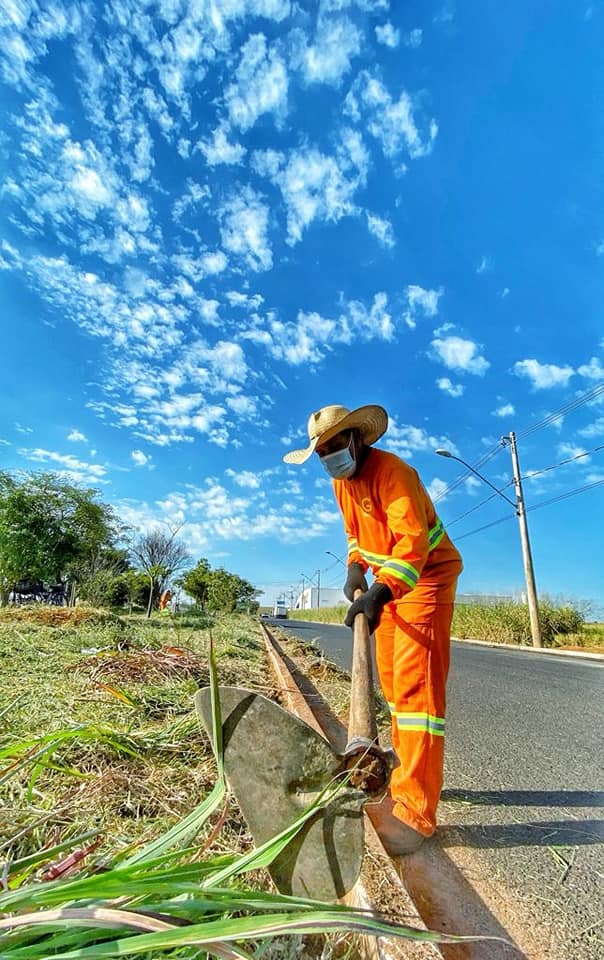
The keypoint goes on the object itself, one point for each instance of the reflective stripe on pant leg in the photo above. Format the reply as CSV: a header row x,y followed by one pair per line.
x,y
421,664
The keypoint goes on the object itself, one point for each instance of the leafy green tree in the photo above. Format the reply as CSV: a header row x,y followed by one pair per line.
x,y
196,582
158,555
218,591
49,529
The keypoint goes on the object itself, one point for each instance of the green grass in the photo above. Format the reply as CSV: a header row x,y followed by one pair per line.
x,y
562,625
117,832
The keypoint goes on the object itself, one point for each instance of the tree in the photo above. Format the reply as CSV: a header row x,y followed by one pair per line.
x,y
218,590
158,555
228,592
196,582
49,529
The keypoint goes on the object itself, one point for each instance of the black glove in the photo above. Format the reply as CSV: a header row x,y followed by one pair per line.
x,y
354,581
371,604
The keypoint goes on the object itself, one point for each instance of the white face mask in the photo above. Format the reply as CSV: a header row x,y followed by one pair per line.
x,y
341,464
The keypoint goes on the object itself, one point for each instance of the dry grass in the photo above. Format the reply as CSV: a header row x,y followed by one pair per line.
x,y
39,614
133,680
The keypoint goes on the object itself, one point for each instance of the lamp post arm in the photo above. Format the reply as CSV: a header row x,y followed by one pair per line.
x,y
484,480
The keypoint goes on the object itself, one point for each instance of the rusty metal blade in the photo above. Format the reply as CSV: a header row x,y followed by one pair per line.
x,y
277,766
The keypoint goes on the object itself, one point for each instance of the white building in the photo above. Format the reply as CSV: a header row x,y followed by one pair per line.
x,y
311,598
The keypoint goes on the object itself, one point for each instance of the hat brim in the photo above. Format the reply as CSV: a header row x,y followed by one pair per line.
x,y
371,421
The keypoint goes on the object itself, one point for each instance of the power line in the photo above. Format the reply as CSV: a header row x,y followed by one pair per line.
x,y
565,496
477,506
486,526
562,411
586,453
535,506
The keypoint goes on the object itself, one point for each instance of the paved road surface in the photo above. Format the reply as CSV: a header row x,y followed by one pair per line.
x,y
524,788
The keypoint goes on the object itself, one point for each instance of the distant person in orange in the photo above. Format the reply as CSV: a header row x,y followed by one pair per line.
x,y
164,600
392,528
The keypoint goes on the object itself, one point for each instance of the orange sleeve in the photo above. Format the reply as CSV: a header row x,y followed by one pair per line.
x,y
405,505
352,543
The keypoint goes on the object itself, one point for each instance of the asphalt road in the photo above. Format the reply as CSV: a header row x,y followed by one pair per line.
x,y
524,785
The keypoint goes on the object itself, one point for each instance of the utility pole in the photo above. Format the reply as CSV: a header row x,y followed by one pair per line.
x,y
529,573
318,588
303,598
527,558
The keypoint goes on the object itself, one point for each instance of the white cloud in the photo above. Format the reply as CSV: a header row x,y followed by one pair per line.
x,y
505,410
244,229
419,301
570,450
313,336
388,35
436,488
485,265
413,38
139,458
505,293
22,429
391,122
453,389
220,150
592,370
77,436
327,60
381,229
407,440
66,464
261,84
245,478
595,429
543,375
238,299
459,354
319,187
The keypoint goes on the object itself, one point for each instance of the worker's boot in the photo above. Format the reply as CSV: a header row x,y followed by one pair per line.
x,y
397,837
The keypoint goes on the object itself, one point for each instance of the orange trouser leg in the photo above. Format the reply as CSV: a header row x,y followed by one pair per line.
x,y
412,654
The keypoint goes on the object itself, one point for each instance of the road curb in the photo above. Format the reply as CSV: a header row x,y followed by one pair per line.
x,y
552,651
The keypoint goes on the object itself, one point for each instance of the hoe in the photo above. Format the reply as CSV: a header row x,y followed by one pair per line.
x,y
278,766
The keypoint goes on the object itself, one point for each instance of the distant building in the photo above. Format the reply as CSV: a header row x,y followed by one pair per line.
x,y
311,598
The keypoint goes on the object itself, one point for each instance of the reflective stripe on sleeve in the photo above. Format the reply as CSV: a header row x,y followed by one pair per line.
x,y
436,534
401,570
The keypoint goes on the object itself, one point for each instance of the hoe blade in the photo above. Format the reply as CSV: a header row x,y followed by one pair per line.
x,y
277,766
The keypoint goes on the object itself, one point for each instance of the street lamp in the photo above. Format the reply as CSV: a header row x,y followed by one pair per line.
x,y
451,456
519,509
339,559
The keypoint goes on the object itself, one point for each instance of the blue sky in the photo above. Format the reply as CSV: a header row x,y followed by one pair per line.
x,y
220,216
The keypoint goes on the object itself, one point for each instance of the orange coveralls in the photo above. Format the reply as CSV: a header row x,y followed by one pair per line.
x,y
392,527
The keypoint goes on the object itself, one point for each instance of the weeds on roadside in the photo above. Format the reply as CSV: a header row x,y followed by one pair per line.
x,y
167,898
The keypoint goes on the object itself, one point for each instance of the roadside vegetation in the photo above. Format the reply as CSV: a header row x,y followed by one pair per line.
x,y
562,625
118,836
60,544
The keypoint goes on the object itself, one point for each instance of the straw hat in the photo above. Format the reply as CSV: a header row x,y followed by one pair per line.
x,y
371,421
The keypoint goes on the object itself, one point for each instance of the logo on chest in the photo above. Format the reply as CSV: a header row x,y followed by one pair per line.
x,y
366,505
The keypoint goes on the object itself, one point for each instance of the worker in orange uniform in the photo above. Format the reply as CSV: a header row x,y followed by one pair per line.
x,y
164,600
392,528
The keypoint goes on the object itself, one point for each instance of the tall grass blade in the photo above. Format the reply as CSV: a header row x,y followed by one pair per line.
x,y
182,832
